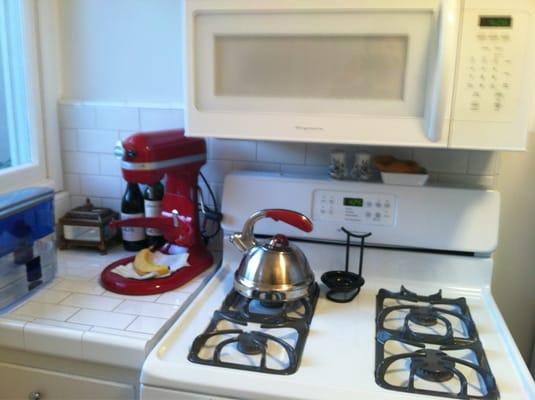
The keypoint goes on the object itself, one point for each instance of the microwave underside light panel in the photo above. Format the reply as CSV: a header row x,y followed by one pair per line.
x,y
435,73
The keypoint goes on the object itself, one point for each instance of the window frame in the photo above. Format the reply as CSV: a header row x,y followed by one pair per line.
x,y
45,165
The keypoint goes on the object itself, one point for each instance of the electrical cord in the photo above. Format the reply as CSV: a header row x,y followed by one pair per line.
x,y
210,214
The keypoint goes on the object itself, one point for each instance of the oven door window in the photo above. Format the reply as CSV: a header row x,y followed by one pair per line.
x,y
358,63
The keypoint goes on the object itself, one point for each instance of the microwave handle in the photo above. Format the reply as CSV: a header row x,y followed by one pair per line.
x,y
442,72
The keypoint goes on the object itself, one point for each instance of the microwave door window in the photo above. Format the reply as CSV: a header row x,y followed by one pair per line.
x,y
348,67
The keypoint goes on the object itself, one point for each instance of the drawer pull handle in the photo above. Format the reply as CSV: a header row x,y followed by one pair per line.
x,y
34,396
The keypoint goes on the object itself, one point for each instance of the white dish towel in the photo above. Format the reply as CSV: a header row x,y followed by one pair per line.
x,y
175,262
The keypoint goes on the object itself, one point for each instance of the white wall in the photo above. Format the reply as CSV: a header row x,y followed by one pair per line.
x,y
122,50
514,274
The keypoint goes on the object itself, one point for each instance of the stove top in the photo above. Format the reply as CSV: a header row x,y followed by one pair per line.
x,y
430,345
256,336
339,360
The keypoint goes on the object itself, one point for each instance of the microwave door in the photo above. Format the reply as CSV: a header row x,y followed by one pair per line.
x,y
359,75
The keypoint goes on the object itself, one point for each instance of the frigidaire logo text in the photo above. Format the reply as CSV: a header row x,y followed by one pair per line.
x,y
308,128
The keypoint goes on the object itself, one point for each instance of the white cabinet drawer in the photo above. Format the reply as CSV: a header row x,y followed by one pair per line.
x,y
151,393
18,383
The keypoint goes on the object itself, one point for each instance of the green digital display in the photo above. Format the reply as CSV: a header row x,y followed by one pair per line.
x,y
353,202
495,22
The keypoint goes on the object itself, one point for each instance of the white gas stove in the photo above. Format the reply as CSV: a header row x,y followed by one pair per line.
x,y
426,239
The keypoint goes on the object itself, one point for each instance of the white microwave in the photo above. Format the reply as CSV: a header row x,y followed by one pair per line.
x,y
424,73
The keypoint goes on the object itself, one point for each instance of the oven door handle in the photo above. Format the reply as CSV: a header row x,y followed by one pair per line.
x,y
440,85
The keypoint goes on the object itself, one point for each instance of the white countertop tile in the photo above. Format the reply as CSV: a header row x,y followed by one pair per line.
x,y
62,324
44,310
50,296
104,319
78,286
148,325
45,339
12,333
122,333
91,302
174,298
150,298
106,348
146,309
75,317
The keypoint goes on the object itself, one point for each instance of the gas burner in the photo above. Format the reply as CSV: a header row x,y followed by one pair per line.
x,y
274,346
251,343
425,316
430,345
241,309
433,365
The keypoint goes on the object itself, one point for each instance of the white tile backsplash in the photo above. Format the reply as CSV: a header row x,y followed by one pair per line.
x,y
101,186
156,119
118,118
69,140
255,166
97,141
482,163
224,149
215,170
72,183
77,116
449,161
289,153
90,131
81,163
109,165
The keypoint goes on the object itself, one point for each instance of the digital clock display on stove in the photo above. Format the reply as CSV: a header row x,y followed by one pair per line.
x,y
353,202
495,22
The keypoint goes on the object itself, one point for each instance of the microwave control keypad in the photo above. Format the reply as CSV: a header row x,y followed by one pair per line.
x,y
490,71
366,208
488,87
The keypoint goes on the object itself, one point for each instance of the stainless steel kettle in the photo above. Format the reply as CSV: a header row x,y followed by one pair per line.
x,y
276,271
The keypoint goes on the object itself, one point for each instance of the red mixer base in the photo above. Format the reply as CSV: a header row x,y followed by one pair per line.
x,y
199,262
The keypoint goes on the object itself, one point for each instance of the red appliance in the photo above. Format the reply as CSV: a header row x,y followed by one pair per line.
x,y
146,158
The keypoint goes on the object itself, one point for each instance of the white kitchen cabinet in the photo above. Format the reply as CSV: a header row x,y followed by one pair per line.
x,y
151,393
22,383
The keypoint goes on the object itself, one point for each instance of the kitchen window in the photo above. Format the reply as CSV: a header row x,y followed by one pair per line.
x,y
22,154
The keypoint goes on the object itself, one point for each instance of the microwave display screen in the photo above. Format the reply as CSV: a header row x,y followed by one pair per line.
x,y
495,22
353,202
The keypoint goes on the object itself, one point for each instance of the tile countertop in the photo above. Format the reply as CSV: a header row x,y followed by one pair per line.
x,y
74,317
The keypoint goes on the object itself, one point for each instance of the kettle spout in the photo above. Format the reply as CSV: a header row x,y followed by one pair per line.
x,y
241,242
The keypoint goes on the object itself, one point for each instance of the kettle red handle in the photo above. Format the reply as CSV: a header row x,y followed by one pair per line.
x,y
293,218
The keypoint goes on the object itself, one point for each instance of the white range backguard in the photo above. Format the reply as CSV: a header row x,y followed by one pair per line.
x,y
339,356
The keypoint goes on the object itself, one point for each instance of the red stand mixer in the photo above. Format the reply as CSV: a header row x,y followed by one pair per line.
x,y
146,158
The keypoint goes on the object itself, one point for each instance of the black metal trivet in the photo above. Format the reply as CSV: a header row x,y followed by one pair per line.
x,y
344,285
241,311
431,364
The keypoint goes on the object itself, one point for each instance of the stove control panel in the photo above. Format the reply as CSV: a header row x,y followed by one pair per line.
x,y
366,208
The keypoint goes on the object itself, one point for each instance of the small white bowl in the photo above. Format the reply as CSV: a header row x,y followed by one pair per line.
x,y
398,178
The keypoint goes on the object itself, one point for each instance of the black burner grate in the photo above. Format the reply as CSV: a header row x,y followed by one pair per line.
x,y
242,312
428,363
